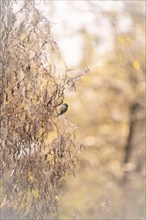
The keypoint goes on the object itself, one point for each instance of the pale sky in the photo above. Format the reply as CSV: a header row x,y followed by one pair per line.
x,y
68,19
77,16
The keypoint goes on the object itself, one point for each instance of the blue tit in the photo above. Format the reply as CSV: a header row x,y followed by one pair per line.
x,y
62,109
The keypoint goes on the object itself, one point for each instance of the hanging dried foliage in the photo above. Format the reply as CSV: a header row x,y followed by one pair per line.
x,y
37,148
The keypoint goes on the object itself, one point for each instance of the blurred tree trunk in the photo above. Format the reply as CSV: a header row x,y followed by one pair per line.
x,y
133,138
128,146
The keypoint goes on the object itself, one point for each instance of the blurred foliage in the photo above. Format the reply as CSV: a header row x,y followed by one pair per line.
x,y
108,106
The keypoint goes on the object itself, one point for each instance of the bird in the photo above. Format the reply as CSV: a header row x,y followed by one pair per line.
x,y
62,109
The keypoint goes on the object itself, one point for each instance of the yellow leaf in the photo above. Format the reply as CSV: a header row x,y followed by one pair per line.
x,y
126,41
22,205
23,36
35,193
31,178
121,39
136,64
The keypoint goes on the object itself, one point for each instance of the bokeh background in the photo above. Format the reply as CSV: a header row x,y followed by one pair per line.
x,y
107,106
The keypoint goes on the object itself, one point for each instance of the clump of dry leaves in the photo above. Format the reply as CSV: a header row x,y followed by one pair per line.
x,y
37,149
